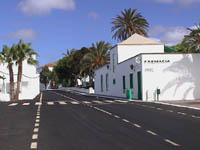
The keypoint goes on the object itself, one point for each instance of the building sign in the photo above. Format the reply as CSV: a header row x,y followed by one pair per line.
x,y
157,61
149,70
137,60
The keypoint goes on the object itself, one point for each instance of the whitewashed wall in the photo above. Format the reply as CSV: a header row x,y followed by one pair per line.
x,y
177,79
127,51
122,69
30,86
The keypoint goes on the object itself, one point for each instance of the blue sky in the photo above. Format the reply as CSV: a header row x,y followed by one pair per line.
x,y
53,26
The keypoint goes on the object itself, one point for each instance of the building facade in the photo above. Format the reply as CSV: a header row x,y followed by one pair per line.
x,y
30,85
143,66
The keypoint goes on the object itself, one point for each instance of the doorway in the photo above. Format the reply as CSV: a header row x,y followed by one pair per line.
x,y
139,79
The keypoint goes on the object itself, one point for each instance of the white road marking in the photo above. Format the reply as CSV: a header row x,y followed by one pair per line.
x,y
50,103
195,116
125,120
34,145
99,102
151,107
116,116
35,130
159,109
13,104
26,104
37,120
107,101
150,132
171,142
35,137
121,101
38,103
86,102
170,110
38,117
62,103
41,97
75,103
136,125
181,113
37,124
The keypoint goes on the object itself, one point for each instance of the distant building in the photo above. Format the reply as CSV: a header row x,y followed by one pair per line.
x,y
30,85
51,65
150,70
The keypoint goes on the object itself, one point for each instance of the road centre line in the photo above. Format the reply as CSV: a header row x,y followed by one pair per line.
x,y
35,137
62,103
26,104
50,103
37,124
41,97
13,104
170,111
150,132
125,120
34,145
136,125
171,142
116,116
38,103
195,116
181,113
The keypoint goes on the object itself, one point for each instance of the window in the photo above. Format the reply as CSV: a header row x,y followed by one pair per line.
x,y
114,81
124,84
101,83
131,80
107,82
113,61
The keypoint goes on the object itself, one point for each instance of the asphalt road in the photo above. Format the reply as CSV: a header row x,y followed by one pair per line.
x,y
58,120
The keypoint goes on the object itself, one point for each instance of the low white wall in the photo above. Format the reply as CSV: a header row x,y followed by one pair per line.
x,y
74,89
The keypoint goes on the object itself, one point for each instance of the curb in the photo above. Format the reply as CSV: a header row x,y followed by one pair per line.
x,y
176,105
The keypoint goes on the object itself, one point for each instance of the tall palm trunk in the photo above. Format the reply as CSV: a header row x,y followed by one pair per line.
x,y
19,78
12,96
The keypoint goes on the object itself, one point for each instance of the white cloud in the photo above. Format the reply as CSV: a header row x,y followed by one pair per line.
x,y
93,15
42,7
169,35
183,3
25,34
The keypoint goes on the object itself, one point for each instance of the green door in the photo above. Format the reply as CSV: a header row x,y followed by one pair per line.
x,y
139,78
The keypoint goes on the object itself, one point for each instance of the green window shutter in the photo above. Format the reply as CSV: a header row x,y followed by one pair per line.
x,y
131,81
107,86
101,83
124,84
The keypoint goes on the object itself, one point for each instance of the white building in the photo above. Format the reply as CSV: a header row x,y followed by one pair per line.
x,y
30,85
142,65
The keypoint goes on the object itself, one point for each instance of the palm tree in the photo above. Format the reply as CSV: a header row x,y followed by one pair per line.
x,y
97,57
193,39
128,23
7,56
23,52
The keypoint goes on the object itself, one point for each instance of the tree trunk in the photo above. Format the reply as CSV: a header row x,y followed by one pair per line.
x,y
19,78
12,96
